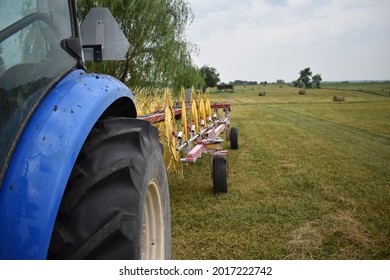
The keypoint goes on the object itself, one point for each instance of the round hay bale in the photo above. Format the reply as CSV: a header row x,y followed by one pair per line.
x,y
262,93
337,98
302,92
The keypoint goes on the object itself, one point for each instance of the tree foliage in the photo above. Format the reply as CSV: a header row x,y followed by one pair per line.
x,y
159,53
210,75
307,80
305,77
316,81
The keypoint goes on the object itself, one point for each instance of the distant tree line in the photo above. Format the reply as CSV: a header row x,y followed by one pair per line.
x,y
305,80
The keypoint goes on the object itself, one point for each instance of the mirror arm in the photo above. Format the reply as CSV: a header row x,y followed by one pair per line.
x,y
97,51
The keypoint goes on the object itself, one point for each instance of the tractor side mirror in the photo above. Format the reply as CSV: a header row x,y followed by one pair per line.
x,y
102,37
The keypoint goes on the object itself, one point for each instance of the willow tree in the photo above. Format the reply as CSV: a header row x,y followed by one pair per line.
x,y
159,53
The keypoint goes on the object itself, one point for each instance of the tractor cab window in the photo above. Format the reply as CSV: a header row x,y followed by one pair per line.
x,y
31,59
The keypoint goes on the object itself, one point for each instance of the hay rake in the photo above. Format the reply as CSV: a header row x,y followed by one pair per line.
x,y
199,136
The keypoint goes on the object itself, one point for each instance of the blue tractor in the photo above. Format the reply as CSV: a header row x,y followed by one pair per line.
x,y
80,176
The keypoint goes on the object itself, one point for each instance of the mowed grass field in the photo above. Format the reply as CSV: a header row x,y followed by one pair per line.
x,y
310,180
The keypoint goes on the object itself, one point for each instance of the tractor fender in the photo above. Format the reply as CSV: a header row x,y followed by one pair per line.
x,y
38,172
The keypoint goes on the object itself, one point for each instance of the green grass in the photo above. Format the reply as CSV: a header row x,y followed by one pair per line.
x,y
310,180
379,88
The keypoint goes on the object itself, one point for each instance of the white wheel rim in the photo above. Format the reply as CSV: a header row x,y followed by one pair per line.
x,y
152,237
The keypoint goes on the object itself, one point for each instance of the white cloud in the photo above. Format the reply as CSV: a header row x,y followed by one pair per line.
x,y
267,40
297,2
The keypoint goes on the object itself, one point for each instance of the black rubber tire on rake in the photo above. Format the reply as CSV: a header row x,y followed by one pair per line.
x,y
234,138
220,174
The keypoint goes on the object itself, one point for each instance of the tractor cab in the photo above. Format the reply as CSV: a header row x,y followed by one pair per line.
x,y
32,58
40,43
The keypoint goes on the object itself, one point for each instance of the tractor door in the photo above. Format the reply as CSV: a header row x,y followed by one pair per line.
x,y
32,60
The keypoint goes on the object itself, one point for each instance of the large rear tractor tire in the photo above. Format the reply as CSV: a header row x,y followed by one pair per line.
x,y
116,203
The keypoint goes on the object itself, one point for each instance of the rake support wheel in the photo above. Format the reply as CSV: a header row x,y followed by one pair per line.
x,y
220,174
234,138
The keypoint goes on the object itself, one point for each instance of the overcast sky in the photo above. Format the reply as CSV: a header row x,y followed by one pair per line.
x,y
266,40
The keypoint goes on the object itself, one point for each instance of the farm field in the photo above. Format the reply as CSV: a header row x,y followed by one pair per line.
x,y
310,180
379,88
